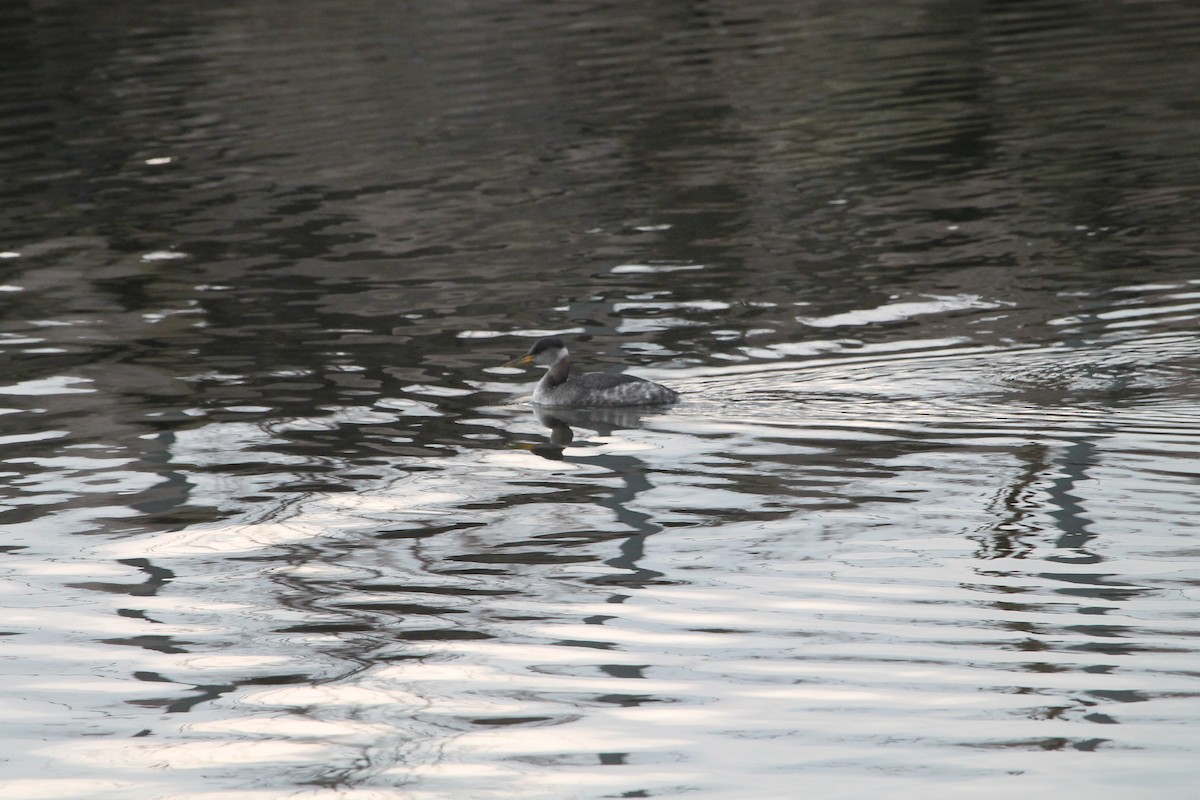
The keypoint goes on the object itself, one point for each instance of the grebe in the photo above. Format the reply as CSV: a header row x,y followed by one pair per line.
x,y
591,389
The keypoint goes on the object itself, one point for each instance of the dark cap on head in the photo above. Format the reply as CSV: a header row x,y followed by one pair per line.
x,y
549,343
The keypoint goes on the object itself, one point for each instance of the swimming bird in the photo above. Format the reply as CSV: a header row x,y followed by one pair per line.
x,y
591,389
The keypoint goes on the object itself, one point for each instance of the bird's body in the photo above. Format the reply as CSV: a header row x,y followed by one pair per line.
x,y
591,389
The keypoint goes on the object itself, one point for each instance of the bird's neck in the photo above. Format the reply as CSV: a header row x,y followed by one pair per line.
x,y
558,372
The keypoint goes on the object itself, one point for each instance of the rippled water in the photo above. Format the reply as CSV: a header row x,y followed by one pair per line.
x,y
275,524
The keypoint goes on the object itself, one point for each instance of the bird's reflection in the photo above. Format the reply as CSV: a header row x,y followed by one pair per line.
x,y
632,471
601,420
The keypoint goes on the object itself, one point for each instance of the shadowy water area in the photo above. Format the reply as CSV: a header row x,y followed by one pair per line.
x,y
274,522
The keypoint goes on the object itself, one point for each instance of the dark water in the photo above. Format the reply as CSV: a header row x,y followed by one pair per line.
x,y
274,524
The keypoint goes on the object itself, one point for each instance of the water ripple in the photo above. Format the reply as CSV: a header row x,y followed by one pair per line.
x,y
275,525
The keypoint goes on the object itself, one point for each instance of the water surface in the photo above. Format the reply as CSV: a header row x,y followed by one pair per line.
x,y
275,524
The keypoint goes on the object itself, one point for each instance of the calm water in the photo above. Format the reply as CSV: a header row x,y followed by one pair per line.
x,y
276,525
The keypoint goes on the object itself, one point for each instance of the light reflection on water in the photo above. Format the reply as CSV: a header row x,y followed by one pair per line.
x,y
955,589
275,524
